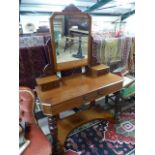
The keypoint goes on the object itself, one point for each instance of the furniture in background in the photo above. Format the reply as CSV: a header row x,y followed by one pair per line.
x,y
127,92
39,144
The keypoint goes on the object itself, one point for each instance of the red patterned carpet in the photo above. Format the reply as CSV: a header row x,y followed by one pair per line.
x,y
102,137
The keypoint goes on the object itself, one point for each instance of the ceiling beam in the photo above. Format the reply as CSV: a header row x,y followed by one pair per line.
x,y
97,5
105,14
123,16
35,13
126,15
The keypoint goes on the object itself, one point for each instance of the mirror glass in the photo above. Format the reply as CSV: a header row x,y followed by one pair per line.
x,y
71,37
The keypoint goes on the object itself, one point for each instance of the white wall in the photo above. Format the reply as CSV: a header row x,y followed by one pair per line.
x,y
130,25
103,23
36,20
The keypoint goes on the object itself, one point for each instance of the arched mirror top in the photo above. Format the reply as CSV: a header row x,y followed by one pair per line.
x,y
70,32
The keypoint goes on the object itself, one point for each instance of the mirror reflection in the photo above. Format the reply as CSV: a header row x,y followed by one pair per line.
x,y
71,37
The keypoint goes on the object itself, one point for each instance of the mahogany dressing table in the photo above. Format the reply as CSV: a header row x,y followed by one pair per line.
x,y
58,94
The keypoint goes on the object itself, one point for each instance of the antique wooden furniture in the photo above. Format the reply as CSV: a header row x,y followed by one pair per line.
x,y
76,89
39,144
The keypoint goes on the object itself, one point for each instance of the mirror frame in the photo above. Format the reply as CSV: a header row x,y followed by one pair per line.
x,y
70,64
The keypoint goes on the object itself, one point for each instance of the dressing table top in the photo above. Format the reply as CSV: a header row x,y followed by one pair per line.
x,y
77,89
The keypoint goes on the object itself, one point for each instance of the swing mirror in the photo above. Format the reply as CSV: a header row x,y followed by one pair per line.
x,y
70,32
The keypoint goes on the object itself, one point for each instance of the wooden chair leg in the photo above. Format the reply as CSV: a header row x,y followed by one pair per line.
x,y
117,106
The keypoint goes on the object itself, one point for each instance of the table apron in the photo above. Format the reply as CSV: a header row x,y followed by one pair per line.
x,y
51,110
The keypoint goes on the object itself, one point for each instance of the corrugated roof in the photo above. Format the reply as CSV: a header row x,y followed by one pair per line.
x,y
95,7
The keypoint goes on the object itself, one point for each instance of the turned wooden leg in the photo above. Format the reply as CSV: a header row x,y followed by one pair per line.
x,y
117,106
56,147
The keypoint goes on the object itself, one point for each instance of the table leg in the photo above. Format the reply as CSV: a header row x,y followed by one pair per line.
x,y
117,106
56,147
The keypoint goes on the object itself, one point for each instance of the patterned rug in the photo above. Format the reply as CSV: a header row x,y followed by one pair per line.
x,y
102,137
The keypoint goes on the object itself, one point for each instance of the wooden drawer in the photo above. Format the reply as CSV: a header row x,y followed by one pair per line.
x,y
66,105
76,102
90,97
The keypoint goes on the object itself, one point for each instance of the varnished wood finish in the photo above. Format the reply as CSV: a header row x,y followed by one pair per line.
x,y
72,64
99,67
97,70
48,82
76,90
69,64
47,79
69,123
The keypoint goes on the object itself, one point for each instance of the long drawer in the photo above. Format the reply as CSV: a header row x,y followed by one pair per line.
x,y
76,102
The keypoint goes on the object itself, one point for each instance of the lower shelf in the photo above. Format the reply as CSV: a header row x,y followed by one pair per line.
x,y
66,125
